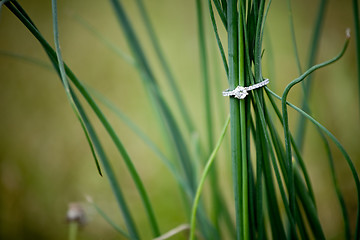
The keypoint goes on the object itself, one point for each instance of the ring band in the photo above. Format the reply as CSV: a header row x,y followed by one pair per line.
x,y
241,92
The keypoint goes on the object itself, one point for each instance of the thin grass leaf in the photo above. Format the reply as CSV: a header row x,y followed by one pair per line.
x,y
336,186
293,83
40,63
218,41
215,191
308,206
109,173
293,37
243,132
132,126
205,74
357,38
203,177
222,11
300,133
232,23
165,67
65,81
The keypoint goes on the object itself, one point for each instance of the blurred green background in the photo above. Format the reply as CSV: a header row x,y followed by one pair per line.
x,y
46,163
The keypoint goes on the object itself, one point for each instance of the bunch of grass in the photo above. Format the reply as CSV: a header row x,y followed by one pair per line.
x,y
278,165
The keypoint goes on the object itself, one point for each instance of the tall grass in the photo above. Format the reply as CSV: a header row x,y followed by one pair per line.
x,y
273,192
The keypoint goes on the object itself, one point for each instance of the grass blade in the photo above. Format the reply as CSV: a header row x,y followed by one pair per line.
x,y
165,66
218,41
357,37
300,134
232,23
222,11
203,177
243,132
131,125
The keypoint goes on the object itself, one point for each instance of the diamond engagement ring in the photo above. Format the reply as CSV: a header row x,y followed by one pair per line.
x,y
241,92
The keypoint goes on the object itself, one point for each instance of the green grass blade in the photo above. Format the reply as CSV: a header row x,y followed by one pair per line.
x,y
357,38
64,80
131,125
109,172
215,191
222,11
28,59
300,131
309,207
116,140
232,23
205,74
336,187
202,179
218,41
243,132
293,37
21,14
165,66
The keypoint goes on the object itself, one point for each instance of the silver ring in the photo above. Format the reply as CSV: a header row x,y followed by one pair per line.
x,y
241,92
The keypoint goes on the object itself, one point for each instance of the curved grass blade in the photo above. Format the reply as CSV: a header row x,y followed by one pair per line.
x,y
65,81
215,191
289,165
203,177
49,67
342,150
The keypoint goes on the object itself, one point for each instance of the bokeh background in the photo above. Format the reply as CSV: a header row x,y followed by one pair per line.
x,y
46,163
